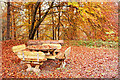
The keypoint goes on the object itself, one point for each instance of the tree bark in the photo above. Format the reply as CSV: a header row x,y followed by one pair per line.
x,y
55,32
32,33
39,18
8,20
59,23
14,26
53,26
33,20
29,18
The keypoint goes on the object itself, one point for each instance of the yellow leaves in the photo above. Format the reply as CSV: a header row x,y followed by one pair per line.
x,y
69,3
98,9
92,12
83,19
27,24
80,8
75,4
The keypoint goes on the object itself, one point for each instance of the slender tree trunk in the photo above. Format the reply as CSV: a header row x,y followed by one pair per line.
x,y
8,20
14,27
55,32
59,23
29,18
53,27
32,33
33,21
37,33
39,18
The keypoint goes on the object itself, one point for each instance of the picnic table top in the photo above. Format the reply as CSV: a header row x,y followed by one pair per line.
x,y
41,47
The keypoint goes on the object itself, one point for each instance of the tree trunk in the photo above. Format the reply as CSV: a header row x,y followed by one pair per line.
x,y
32,32
8,20
55,32
33,21
39,18
59,23
53,27
29,18
14,27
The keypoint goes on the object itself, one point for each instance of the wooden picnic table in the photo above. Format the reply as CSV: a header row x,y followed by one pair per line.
x,y
41,47
49,50
38,54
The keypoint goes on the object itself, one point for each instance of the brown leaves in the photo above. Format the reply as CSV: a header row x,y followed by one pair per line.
x,y
83,63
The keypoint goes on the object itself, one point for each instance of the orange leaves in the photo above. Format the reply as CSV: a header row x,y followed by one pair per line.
x,y
84,62
95,15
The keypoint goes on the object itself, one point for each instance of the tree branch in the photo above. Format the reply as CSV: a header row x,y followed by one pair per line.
x,y
33,18
32,33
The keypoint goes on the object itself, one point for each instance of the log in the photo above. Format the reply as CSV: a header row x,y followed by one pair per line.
x,y
18,48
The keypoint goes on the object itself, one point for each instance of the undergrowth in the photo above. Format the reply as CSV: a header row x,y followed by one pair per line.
x,y
91,43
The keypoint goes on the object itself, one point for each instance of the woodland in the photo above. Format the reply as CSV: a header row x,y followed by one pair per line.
x,y
90,28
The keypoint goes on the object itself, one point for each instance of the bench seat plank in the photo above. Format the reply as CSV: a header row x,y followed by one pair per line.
x,y
31,56
50,57
18,48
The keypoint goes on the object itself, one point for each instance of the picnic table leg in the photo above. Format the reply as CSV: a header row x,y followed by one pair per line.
x,y
63,64
54,53
36,69
48,52
29,67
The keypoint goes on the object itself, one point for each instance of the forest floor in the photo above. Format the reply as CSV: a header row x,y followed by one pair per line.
x,y
84,63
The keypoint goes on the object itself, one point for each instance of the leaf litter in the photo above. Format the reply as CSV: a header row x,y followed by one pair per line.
x,y
84,62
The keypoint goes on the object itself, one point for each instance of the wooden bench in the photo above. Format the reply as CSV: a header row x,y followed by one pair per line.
x,y
29,57
37,58
63,56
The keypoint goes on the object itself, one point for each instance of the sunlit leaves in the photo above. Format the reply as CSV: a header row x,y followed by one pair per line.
x,y
95,15
86,18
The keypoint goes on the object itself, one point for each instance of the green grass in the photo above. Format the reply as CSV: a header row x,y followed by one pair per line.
x,y
91,43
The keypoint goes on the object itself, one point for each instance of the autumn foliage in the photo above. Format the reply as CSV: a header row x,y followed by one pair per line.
x,y
62,20
90,28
